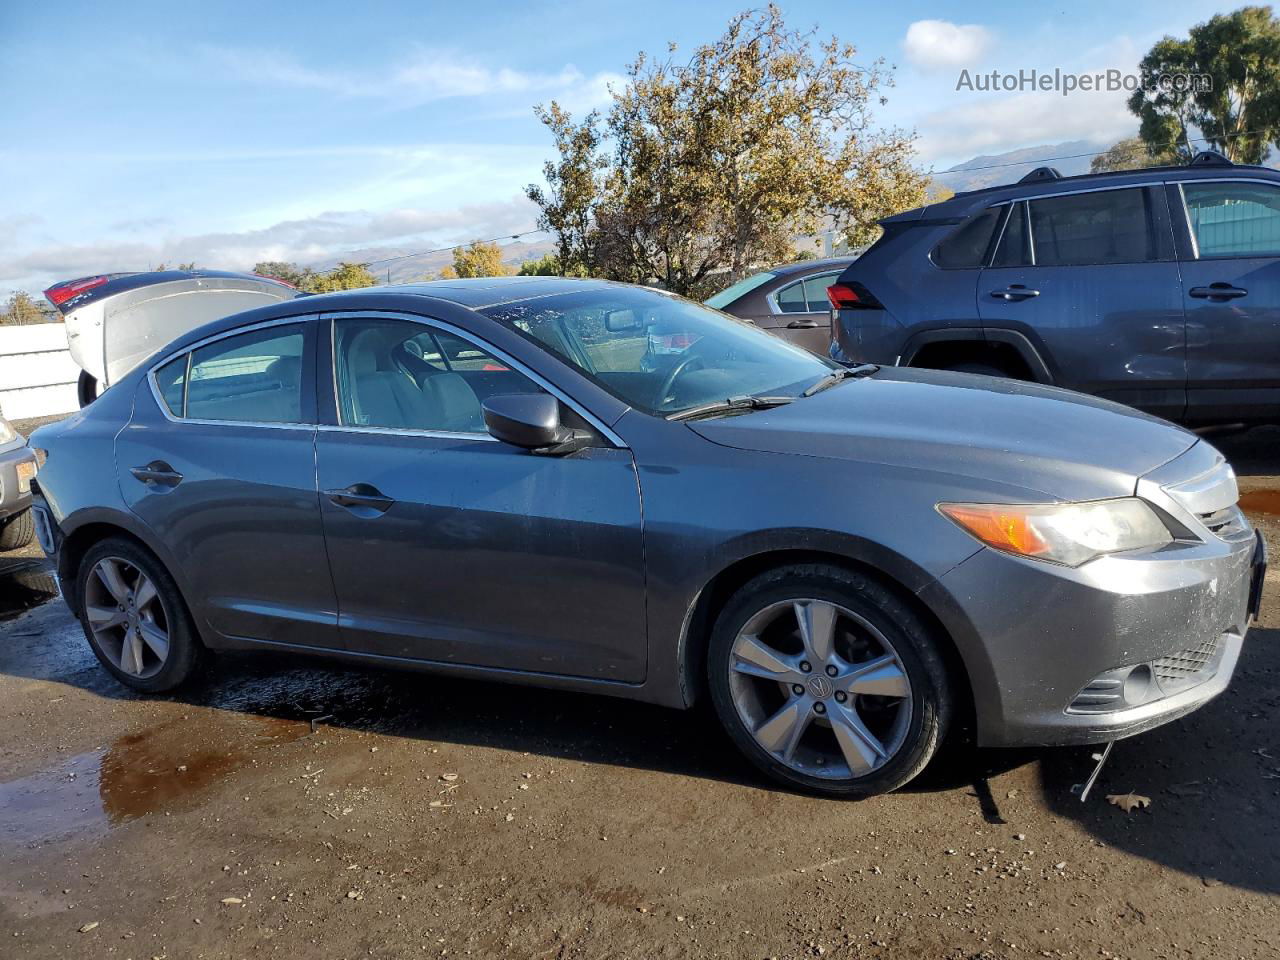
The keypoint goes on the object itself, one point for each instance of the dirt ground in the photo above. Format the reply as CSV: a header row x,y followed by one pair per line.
x,y
295,809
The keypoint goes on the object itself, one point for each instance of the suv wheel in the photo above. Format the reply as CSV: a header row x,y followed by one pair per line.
x,y
17,531
827,681
134,618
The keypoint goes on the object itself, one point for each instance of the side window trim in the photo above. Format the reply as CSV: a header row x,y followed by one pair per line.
x,y
433,324
306,321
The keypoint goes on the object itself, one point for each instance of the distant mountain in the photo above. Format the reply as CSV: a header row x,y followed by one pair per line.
x,y
427,267
993,169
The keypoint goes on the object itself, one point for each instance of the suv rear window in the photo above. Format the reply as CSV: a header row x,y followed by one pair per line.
x,y
967,246
1106,226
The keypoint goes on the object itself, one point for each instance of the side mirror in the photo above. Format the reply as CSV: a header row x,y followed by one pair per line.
x,y
531,421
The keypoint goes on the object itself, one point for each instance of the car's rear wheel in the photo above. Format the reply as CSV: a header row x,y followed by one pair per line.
x,y
134,617
827,681
18,530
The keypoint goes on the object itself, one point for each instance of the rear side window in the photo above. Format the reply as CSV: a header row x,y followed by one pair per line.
x,y
808,295
791,298
966,247
1233,219
250,378
1107,226
1014,250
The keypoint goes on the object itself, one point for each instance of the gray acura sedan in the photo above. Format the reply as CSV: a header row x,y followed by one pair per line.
x,y
506,479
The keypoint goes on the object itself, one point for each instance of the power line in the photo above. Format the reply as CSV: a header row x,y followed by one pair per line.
x,y
456,246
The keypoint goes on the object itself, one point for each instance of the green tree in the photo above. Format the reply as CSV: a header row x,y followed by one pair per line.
x,y
282,270
21,308
1238,110
345,276
715,165
1131,154
549,265
480,260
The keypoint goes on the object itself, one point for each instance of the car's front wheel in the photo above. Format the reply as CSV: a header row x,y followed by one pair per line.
x,y
134,617
827,681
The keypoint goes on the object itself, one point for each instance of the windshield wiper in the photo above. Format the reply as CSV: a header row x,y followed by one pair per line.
x,y
835,376
729,405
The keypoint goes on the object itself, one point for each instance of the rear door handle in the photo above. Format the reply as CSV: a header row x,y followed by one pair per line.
x,y
1014,293
157,473
1218,291
802,325
360,498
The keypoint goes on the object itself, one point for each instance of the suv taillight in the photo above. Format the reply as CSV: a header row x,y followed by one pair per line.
x,y
851,296
60,293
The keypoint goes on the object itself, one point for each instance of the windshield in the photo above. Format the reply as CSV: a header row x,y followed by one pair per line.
x,y
739,289
659,353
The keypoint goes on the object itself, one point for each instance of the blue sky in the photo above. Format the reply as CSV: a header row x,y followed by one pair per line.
x,y
233,132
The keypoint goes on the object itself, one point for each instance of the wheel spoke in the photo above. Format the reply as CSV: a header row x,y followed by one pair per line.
x,y
817,628
756,659
155,638
131,653
112,578
144,592
862,751
881,677
781,732
104,618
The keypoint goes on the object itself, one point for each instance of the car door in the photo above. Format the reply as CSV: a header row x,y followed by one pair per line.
x,y
219,460
800,312
1230,259
1089,278
447,545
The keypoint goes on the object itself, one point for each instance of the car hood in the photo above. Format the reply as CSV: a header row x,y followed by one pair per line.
x,y
1062,445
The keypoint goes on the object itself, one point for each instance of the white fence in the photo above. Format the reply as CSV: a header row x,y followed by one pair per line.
x,y
37,375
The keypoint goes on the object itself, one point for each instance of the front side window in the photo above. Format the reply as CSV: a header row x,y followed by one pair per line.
x,y
1234,219
659,353
403,375
248,378
1106,226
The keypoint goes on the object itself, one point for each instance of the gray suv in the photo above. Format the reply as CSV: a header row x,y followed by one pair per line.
x,y
1158,288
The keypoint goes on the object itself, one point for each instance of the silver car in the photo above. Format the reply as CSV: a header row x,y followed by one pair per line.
x,y
495,479
17,468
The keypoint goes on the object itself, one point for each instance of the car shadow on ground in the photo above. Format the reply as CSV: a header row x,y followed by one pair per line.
x,y
1213,777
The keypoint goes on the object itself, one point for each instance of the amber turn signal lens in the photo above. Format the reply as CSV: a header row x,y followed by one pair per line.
x,y
999,527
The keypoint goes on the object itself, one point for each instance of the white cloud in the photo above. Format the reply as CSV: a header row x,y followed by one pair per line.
x,y
938,44
320,239
425,76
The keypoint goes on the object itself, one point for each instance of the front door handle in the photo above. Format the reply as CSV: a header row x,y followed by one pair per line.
x,y
157,473
360,498
1014,293
802,325
1218,291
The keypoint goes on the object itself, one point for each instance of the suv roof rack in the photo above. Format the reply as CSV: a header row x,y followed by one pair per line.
x,y
1042,173
1210,158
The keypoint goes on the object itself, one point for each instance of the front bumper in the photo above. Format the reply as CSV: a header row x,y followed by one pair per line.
x,y
17,468
1050,649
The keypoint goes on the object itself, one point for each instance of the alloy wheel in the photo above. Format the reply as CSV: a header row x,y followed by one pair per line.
x,y
127,617
820,688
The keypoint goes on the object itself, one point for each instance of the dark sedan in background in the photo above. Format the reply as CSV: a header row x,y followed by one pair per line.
x,y
790,301
592,486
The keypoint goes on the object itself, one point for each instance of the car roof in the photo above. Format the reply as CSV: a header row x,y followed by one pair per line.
x,y
1038,184
471,294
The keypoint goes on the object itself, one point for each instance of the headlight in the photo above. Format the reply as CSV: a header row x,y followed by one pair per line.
x,y
1068,533
7,432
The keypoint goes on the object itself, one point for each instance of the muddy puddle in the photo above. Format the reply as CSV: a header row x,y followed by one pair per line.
x,y
162,769
1265,502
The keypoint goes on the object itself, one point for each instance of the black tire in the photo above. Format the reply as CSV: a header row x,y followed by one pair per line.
x,y
985,369
17,531
896,620
87,388
186,655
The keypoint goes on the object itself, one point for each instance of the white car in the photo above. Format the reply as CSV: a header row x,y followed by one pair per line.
x,y
117,320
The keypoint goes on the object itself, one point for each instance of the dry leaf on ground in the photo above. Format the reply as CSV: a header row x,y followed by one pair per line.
x,y
1128,802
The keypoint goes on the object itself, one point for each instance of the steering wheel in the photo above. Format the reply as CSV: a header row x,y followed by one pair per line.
x,y
681,365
